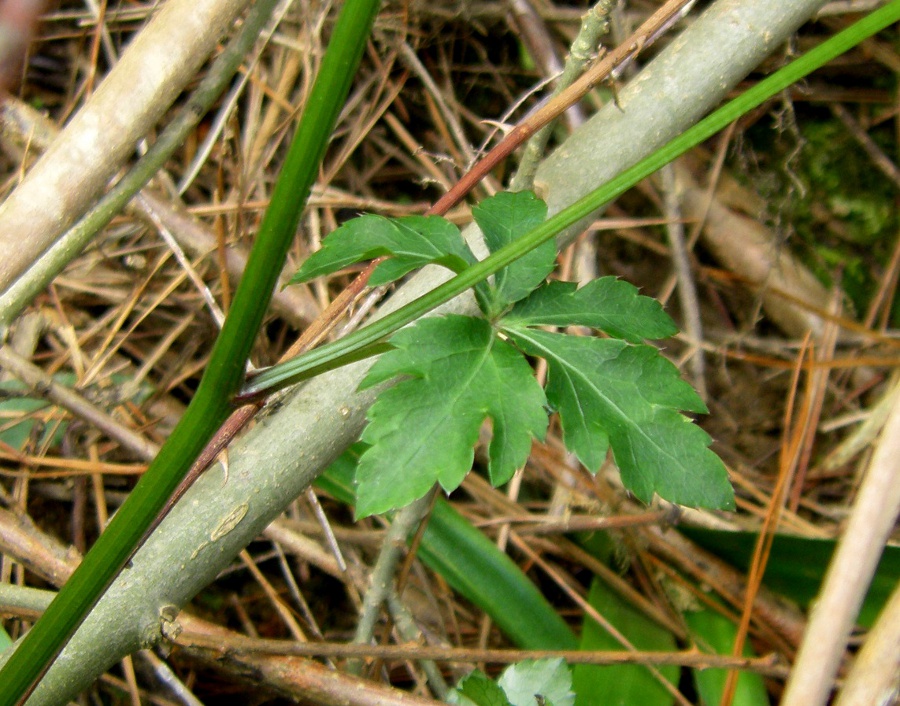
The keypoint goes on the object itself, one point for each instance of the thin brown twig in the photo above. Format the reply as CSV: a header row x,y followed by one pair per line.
x,y
45,386
769,665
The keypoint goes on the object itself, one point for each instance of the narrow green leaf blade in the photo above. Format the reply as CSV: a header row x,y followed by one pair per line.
x,y
797,565
423,429
411,242
610,393
629,684
607,304
476,569
504,218
715,634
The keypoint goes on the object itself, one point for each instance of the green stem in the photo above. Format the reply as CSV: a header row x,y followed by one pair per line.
x,y
224,373
332,354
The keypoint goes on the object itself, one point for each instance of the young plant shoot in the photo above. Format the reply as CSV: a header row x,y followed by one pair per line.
x,y
453,372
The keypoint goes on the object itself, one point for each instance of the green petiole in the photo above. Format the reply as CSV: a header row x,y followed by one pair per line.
x,y
353,347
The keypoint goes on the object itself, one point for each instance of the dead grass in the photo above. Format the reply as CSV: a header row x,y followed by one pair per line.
x,y
131,328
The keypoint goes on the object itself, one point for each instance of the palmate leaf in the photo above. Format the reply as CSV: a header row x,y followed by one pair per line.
x,y
424,429
606,304
411,242
613,394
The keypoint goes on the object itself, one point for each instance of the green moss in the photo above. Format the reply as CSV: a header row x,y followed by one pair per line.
x,y
829,196
841,177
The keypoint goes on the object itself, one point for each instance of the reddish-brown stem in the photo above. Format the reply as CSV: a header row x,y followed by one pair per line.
x,y
627,51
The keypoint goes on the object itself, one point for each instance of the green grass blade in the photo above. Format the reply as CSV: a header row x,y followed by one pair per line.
x,y
481,573
715,634
622,683
223,375
797,565
300,368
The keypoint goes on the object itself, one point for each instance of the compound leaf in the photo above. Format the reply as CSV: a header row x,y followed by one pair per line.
x,y
410,242
503,218
613,394
423,429
456,372
607,304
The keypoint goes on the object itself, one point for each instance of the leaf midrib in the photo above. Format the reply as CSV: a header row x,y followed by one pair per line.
x,y
572,371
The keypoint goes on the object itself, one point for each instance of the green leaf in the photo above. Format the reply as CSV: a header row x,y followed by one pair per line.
x,y
715,634
610,393
504,218
548,678
16,434
622,683
423,429
607,304
797,565
410,242
477,689
301,367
